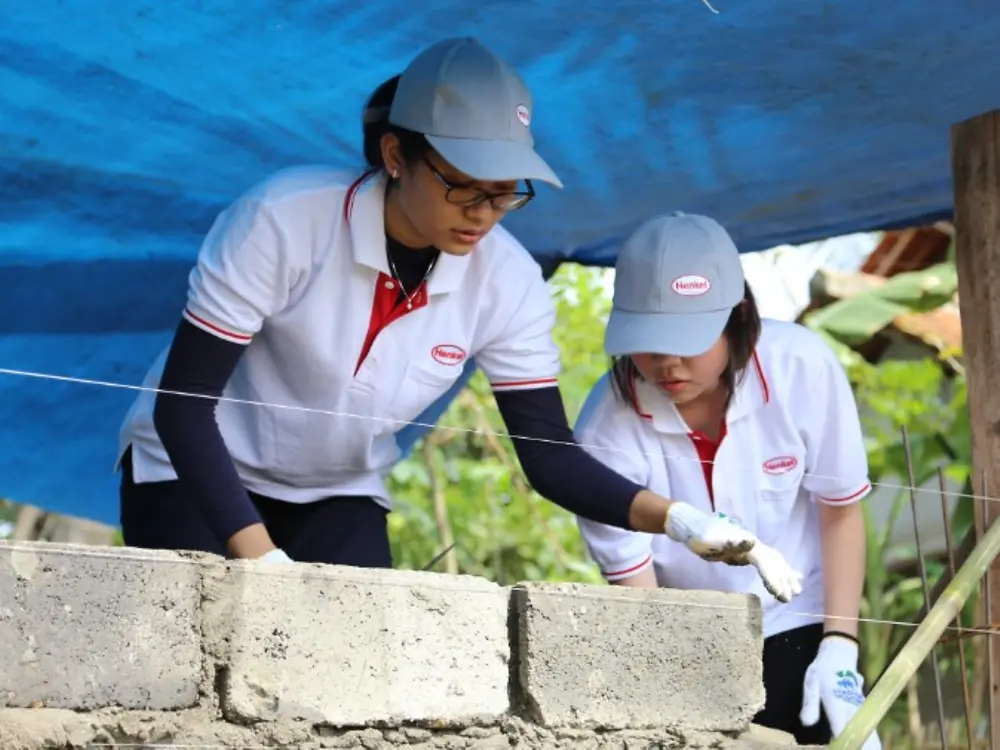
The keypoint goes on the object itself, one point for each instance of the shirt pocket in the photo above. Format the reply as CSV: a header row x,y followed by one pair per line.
x,y
421,386
777,492
316,445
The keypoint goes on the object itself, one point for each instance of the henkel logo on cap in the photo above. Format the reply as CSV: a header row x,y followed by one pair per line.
x,y
523,115
691,285
780,464
448,354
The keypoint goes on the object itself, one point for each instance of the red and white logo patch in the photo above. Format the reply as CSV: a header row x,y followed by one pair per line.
x,y
780,464
448,354
523,114
691,285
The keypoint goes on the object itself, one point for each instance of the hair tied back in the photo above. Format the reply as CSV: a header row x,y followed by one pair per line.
x,y
375,115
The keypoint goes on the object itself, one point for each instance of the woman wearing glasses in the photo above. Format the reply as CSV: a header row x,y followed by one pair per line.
x,y
326,310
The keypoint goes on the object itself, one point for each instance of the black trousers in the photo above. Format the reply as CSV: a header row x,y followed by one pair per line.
x,y
787,656
337,531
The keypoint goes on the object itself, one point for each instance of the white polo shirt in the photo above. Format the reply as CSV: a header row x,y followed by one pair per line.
x,y
296,271
792,438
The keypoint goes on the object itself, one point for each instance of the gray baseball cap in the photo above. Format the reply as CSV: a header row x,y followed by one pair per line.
x,y
677,279
473,109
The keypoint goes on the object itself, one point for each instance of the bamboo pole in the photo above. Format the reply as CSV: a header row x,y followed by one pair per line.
x,y
924,638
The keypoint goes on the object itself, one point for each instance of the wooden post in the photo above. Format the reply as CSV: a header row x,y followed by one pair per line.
x,y
975,157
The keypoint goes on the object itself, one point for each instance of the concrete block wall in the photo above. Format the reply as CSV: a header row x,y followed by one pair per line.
x,y
105,646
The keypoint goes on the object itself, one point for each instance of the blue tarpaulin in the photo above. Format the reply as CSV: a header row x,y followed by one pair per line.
x,y
126,126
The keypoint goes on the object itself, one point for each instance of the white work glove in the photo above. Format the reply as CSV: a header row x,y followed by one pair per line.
x,y
717,538
833,682
780,579
276,556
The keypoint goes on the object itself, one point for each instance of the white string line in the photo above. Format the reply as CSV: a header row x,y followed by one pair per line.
x,y
110,384
299,571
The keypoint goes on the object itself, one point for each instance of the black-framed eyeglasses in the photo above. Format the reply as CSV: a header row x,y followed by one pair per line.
x,y
467,195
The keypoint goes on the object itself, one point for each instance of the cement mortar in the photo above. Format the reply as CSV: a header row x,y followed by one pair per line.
x,y
56,729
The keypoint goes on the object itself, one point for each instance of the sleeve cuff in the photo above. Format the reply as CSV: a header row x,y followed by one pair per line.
x,y
523,385
628,568
199,320
848,497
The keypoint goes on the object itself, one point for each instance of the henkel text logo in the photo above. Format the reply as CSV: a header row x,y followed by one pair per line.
x,y
780,464
691,285
448,354
523,114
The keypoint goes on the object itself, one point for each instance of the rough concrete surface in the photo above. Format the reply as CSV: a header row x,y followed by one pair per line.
x,y
91,627
51,729
344,646
154,649
625,658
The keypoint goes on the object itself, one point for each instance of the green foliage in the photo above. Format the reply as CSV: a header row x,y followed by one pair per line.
x,y
893,396
463,482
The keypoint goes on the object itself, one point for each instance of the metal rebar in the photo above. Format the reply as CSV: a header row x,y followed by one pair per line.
x,y
966,702
437,558
911,481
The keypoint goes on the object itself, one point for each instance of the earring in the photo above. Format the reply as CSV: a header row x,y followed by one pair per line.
x,y
395,174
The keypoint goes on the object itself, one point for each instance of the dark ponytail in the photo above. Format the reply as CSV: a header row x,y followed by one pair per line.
x,y
375,124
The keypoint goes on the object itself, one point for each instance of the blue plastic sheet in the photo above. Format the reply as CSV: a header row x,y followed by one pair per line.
x,y
125,127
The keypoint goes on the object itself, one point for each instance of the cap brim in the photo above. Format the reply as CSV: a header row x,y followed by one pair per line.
x,y
649,333
494,160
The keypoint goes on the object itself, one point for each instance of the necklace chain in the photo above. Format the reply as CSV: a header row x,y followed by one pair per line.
x,y
395,275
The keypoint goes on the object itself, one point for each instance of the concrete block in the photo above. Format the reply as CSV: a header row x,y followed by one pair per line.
x,y
86,627
767,735
343,646
621,658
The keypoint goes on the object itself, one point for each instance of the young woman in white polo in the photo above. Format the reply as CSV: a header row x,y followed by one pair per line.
x,y
327,309
752,420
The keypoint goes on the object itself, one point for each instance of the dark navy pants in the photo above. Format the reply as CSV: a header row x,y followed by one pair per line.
x,y
338,531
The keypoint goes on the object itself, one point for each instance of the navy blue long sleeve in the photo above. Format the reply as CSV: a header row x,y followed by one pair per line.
x,y
201,364
555,466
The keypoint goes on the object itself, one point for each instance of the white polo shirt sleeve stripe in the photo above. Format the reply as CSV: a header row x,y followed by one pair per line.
x,y
244,272
634,568
215,329
523,356
606,429
836,460
523,385
847,499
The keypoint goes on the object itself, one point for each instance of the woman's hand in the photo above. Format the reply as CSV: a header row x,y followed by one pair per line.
x,y
718,538
780,579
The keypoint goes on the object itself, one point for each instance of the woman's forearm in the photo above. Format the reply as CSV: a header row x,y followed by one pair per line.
x,y
644,579
561,471
194,376
649,512
842,538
